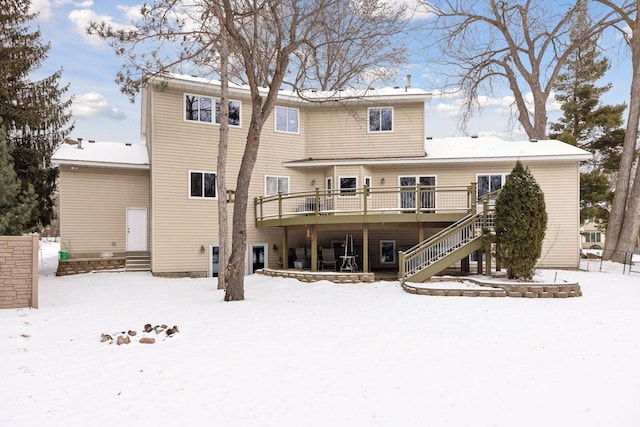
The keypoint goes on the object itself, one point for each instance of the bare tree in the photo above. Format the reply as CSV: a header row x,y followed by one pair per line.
x,y
268,40
522,43
624,221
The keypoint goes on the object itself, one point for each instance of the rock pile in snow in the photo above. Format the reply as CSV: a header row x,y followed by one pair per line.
x,y
146,338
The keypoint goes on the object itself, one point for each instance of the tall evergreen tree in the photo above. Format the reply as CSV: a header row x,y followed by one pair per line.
x,y
17,206
588,124
33,112
520,223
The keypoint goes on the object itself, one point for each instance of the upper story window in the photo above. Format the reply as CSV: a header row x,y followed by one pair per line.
x,y
489,183
202,185
287,119
234,112
199,108
381,119
276,184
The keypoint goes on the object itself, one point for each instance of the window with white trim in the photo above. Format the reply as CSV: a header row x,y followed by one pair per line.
x,y
234,112
348,185
380,119
488,183
287,119
367,183
199,108
593,237
411,186
276,184
202,185
387,252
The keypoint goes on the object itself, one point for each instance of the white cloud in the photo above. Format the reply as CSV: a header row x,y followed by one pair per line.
x,y
447,110
81,18
551,105
447,94
93,105
43,7
414,9
132,13
488,101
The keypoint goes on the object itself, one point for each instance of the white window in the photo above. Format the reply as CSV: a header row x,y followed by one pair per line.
x,y
593,237
488,183
410,189
234,112
276,184
367,183
202,185
387,251
287,119
381,119
198,108
348,185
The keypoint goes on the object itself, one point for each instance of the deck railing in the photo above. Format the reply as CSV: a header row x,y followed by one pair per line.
x,y
368,201
447,241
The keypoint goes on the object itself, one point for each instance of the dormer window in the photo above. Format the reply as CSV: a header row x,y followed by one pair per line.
x,y
381,119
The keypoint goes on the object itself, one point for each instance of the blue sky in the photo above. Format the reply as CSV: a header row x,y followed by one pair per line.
x,y
102,113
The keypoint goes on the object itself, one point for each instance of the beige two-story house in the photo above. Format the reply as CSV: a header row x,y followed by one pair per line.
x,y
353,177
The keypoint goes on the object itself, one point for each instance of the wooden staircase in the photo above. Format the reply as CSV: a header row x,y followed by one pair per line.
x,y
450,245
137,261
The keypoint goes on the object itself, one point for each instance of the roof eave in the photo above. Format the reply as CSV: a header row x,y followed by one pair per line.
x,y
431,160
68,162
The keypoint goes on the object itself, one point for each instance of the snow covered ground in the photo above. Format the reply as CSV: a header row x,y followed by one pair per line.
x,y
320,354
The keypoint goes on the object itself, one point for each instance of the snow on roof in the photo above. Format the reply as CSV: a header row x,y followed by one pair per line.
x,y
489,148
389,93
466,150
111,154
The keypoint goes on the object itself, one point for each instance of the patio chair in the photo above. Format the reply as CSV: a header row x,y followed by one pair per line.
x,y
300,259
329,258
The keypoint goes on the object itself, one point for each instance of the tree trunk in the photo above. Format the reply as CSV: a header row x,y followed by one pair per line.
x,y
622,206
221,177
539,130
631,222
235,269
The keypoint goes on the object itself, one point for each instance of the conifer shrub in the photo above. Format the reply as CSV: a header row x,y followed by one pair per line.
x,y
520,223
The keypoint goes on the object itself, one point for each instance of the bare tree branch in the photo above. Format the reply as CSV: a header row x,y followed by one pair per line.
x,y
524,42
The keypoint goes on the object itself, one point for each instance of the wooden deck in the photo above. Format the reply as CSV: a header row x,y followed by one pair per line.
x,y
427,204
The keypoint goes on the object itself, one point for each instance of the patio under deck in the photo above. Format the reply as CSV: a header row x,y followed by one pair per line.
x,y
358,208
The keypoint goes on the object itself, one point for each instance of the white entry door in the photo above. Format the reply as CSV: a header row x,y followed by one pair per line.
x,y
136,229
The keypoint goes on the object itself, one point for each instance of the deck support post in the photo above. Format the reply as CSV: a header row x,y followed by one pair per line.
x,y
365,248
487,251
284,251
314,248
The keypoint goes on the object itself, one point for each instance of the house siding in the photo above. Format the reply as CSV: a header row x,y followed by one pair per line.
x,y
559,181
182,225
342,132
93,203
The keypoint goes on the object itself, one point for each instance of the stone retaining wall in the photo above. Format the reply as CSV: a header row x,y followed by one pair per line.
x,y
501,289
309,276
19,271
87,265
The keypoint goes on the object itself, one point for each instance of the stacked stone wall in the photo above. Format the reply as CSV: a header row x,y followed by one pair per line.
x,y
19,271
